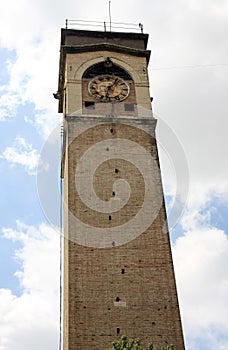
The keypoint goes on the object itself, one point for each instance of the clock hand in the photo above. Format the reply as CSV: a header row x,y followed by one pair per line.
x,y
110,87
107,92
115,82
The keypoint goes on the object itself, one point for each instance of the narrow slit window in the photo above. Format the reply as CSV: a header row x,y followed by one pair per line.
x,y
117,330
110,217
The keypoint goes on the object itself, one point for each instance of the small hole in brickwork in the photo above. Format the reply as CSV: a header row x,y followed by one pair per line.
x,y
122,271
107,149
116,171
118,330
110,217
111,131
117,299
113,194
113,244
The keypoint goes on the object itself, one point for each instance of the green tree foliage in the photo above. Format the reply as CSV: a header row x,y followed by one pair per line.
x,y
132,344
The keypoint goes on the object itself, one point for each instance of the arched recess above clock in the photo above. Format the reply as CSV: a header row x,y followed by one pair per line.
x,y
106,67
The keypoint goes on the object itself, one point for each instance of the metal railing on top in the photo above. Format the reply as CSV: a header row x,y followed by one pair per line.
x,y
107,26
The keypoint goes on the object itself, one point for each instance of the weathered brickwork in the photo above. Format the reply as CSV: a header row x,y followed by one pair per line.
x,y
118,289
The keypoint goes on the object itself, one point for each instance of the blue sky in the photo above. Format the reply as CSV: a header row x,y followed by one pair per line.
x,y
189,83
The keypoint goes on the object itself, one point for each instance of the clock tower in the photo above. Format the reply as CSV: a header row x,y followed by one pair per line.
x,y
118,270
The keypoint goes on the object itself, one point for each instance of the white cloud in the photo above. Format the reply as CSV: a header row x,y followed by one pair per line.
x,y
193,100
200,257
33,72
9,103
22,153
33,79
30,321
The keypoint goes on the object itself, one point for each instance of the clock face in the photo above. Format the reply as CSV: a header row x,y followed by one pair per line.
x,y
108,88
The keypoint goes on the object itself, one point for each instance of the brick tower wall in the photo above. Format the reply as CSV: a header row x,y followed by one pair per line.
x,y
123,283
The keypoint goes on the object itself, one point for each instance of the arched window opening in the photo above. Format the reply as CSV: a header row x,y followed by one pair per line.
x,y
102,68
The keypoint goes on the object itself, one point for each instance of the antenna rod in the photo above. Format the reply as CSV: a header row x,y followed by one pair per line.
x,y
110,20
